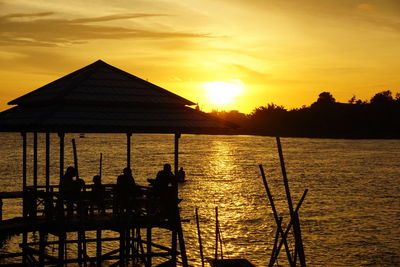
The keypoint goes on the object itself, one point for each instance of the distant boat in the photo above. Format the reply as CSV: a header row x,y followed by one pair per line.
x,y
82,135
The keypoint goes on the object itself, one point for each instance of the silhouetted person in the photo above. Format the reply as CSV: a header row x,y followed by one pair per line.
x,y
125,190
98,193
181,175
167,194
164,178
66,190
66,180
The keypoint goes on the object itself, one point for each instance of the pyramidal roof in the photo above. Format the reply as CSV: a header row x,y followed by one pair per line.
x,y
100,98
102,83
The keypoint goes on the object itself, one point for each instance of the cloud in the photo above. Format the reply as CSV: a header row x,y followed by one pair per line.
x,y
37,29
366,6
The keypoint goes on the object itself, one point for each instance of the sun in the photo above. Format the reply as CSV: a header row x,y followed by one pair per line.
x,y
221,93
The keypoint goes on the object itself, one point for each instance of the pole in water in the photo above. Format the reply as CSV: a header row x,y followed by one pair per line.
x,y
199,236
294,217
75,158
275,213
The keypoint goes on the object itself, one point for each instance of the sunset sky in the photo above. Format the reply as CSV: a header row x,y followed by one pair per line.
x,y
225,54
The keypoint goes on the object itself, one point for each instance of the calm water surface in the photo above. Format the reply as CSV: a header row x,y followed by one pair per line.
x,y
351,216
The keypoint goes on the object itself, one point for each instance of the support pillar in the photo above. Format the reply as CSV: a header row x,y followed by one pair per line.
x,y
24,210
148,239
47,162
128,150
61,135
98,248
35,159
176,153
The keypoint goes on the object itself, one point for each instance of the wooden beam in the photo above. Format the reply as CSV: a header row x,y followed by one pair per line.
x,y
47,162
176,153
35,159
128,150
61,135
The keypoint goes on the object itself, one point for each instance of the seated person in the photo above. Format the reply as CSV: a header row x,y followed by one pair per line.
x,y
125,190
181,175
164,178
167,194
98,193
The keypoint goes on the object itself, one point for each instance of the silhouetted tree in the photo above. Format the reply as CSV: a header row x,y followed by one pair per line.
x,y
352,100
326,98
382,98
324,118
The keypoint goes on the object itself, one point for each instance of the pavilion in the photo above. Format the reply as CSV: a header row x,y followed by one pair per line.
x,y
101,98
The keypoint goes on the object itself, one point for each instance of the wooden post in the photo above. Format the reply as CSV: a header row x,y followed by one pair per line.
x,y
276,240
47,162
24,168
42,245
148,239
288,228
61,249
61,135
1,209
101,164
128,150
176,153
75,158
174,245
24,208
276,217
216,234
35,159
98,248
199,237
298,239
122,247
181,239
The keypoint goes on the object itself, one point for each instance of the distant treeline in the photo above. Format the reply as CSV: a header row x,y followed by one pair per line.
x,y
377,118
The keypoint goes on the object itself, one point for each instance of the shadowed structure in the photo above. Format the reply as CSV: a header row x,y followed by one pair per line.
x,y
100,98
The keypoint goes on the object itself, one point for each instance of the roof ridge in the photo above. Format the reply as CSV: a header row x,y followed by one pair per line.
x,y
158,88
72,74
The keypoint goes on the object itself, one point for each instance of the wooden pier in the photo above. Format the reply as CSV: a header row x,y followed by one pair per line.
x,y
70,231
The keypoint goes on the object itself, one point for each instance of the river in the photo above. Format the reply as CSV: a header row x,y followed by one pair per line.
x,y
350,217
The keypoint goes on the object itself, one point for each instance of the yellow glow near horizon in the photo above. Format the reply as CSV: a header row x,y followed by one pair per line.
x,y
221,93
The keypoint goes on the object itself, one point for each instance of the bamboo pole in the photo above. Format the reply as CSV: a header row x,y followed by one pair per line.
x,y
276,240
275,213
288,227
75,158
294,218
216,234
199,237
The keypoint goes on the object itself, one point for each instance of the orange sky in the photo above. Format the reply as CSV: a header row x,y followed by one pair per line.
x,y
285,52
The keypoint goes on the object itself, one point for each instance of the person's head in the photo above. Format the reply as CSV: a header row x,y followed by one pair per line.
x,y
97,179
167,167
181,169
127,171
71,172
